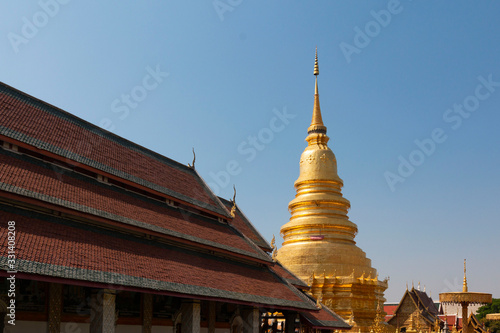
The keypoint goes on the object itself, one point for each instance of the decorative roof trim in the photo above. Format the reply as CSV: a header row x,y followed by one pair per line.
x,y
261,240
125,220
102,167
55,111
325,324
32,267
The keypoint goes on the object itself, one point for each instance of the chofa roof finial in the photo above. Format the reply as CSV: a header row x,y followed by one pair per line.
x,y
233,208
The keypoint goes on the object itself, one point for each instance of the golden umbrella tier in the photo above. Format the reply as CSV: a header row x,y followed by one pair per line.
x,y
465,298
468,297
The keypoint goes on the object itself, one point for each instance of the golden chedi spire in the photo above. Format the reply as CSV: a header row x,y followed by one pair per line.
x,y
319,236
319,211
317,125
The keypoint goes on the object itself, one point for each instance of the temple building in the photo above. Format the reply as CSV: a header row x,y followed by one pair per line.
x,y
416,312
100,234
319,244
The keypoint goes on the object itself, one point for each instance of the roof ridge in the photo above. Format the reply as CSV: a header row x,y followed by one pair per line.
x,y
129,221
250,224
94,128
90,161
407,292
122,175
296,291
291,273
94,276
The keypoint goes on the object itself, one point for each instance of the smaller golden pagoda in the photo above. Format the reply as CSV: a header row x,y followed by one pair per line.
x,y
319,244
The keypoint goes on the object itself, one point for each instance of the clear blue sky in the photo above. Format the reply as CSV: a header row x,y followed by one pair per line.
x,y
390,73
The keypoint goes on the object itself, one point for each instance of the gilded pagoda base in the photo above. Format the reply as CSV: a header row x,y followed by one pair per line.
x,y
355,299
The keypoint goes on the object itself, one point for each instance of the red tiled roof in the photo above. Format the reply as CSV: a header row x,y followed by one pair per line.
x,y
48,245
51,246
289,276
325,319
241,222
389,309
69,188
41,125
451,320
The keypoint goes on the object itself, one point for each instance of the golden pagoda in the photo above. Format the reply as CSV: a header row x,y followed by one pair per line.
x,y
319,244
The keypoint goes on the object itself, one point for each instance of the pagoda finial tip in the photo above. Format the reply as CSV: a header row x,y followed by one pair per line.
x,y
317,125
464,289
316,66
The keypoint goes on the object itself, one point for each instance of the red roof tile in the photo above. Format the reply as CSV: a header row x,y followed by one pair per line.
x,y
389,309
59,247
241,222
41,125
324,319
289,276
69,247
451,320
30,174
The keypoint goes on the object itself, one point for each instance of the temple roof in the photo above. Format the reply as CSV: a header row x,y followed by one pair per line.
x,y
60,248
389,309
33,122
424,301
451,320
289,276
243,224
421,301
30,177
324,319
97,210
